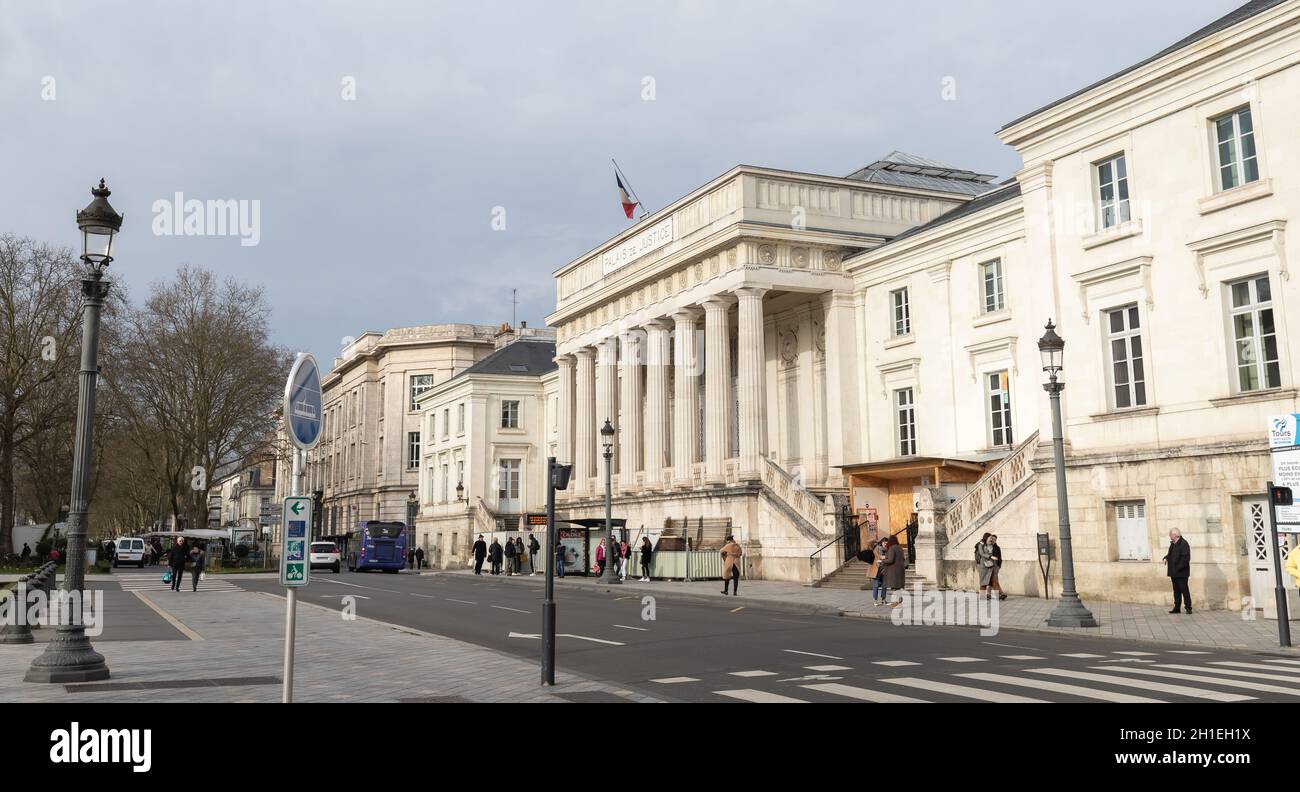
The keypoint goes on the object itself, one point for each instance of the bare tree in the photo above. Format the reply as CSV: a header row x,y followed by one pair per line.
x,y
199,383
39,323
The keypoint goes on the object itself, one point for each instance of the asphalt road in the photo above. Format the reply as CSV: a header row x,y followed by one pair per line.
x,y
734,650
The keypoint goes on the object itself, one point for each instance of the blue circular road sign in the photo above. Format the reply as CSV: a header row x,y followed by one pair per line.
x,y
302,407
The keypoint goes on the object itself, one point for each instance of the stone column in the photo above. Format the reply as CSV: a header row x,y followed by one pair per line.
x,y
656,414
717,388
843,409
686,395
630,455
606,401
564,406
751,383
931,534
584,451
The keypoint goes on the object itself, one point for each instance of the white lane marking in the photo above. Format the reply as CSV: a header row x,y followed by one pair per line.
x,y
1257,666
1137,654
172,620
894,663
463,602
1286,662
1263,687
339,596
1022,657
962,659
639,629
1057,687
759,696
809,678
812,654
828,668
341,583
1160,687
1186,651
753,673
863,694
426,596
1011,646
536,636
503,607
1083,655
964,691
674,680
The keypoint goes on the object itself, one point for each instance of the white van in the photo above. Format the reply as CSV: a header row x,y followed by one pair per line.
x,y
129,551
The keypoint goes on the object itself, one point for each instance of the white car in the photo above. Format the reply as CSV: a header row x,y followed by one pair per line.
x,y
129,551
325,554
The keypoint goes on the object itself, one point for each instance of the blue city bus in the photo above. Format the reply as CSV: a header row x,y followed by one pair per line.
x,y
376,544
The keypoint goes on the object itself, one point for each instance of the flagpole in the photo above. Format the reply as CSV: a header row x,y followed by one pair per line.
x,y
619,170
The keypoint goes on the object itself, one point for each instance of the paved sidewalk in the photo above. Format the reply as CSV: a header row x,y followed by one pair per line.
x,y
1122,620
238,657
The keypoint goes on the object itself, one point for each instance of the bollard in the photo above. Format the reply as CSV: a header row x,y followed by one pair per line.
x,y
20,632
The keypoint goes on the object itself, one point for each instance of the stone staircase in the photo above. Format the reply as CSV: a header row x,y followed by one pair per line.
x,y
853,575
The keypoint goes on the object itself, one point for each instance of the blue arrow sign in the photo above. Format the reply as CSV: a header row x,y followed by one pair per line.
x,y
302,402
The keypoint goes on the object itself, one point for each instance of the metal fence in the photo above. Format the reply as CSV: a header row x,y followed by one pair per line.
x,y
703,564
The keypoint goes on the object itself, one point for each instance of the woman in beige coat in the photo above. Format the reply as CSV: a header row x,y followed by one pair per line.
x,y
731,554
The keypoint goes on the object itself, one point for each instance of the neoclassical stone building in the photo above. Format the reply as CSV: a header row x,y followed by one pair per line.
x,y
719,338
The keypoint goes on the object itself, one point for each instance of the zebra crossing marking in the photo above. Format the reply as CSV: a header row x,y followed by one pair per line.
x,y
894,663
1058,687
1256,666
962,659
1022,657
964,691
1082,655
863,694
1262,687
824,668
759,696
675,680
753,673
1159,687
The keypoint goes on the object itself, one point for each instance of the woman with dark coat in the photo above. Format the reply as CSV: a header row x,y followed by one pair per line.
x,y
986,565
997,569
895,567
646,552
200,558
495,555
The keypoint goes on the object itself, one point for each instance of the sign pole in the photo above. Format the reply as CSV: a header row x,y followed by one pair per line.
x,y
291,599
302,418
548,604
1283,615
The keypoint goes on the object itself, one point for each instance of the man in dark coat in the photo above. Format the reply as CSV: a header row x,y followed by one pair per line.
x,y
176,561
480,552
533,547
1178,565
512,556
494,556
419,558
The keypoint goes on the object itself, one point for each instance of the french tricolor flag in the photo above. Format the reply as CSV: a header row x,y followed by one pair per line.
x,y
628,204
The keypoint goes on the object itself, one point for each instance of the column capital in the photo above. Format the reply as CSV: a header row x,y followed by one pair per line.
x,y
718,302
750,291
565,360
585,352
686,314
658,323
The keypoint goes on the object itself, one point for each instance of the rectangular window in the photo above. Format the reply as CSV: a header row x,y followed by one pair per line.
x,y
905,421
419,384
1127,367
1254,334
991,286
383,389
412,450
1131,537
460,418
999,396
1112,191
460,472
509,414
446,423
381,456
1234,137
508,489
446,484
902,312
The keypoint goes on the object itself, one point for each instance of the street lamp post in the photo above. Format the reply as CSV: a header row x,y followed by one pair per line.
x,y
412,507
460,492
607,438
1069,610
69,656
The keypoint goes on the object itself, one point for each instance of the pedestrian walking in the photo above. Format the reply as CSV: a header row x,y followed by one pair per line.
x,y
600,558
559,559
419,558
54,554
731,554
871,555
510,552
624,559
1178,565
176,561
199,559
520,553
533,547
895,569
986,564
495,555
410,558
480,553
997,569
646,552
26,553
157,551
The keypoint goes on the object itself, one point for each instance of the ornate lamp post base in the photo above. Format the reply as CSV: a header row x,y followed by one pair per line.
x,y
1071,613
68,658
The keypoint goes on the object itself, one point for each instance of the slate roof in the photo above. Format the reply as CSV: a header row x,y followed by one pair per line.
x,y
1224,22
521,358
1001,193
908,170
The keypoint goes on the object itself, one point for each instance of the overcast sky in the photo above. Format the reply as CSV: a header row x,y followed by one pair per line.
x,y
376,211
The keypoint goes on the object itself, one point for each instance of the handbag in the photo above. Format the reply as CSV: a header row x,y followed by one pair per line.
x,y
167,576
203,576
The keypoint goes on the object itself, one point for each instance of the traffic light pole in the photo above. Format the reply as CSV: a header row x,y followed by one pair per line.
x,y
548,604
1283,615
